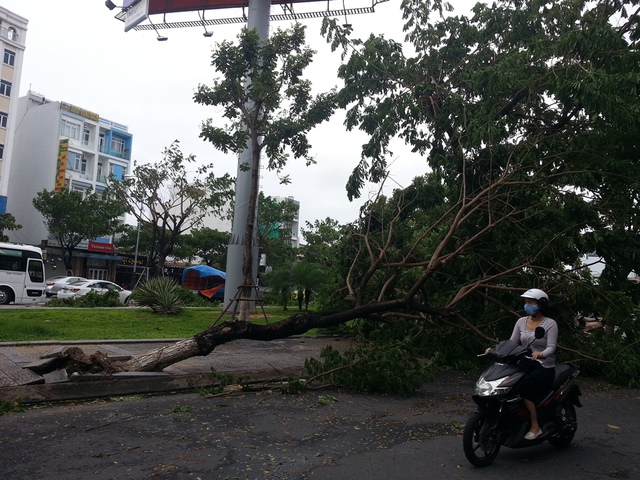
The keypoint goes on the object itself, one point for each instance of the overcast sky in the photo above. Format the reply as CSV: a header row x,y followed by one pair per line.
x,y
76,51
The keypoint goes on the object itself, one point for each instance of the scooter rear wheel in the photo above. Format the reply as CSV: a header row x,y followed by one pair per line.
x,y
567,426
481,441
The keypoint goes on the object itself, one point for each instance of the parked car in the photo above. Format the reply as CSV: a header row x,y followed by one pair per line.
x,y
54,284
98,286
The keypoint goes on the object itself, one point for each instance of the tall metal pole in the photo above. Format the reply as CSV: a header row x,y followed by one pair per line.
x,y
135,258
258,19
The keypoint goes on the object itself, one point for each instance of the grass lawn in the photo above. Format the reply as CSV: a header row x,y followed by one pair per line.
x,y
28,325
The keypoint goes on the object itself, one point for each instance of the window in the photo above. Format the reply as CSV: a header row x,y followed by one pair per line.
x,y
86,136
1,151
12,260
99,174
36,271
3,119
70,129
117,145
79,188
5,88
9,57
77,162
12,33
98,274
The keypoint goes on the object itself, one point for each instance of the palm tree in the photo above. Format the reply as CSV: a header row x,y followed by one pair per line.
x,y
306,277
279,281
300,276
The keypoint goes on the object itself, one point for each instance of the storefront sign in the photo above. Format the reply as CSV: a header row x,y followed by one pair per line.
x,y
100,247
61,168
80,111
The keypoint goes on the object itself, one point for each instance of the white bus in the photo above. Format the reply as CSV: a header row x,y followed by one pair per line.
x,y
21,274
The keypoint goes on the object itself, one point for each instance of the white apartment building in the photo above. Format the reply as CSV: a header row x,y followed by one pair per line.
x,y
294,226
13,33
60,145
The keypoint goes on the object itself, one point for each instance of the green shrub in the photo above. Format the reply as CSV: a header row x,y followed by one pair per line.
x,y
192,299
162,294
90,300
396,356
381,368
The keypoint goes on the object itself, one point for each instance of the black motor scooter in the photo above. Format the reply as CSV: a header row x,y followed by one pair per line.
x,y
502,418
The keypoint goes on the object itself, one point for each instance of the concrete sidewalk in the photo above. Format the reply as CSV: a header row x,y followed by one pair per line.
x,y
260,361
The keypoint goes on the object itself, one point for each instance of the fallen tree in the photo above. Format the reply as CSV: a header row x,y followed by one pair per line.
x,y
75,360
532,164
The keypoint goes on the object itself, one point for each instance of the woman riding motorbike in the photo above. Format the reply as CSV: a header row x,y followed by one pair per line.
x,y
537,382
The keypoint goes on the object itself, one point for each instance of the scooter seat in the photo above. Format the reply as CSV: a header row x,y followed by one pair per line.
x,y
563,372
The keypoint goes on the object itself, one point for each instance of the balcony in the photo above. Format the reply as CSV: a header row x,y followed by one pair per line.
x,y
9,33
126,155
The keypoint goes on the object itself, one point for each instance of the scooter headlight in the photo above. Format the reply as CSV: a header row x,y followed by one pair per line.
x,y
488,388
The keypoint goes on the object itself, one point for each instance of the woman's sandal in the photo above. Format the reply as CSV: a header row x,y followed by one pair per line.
x,y
532,436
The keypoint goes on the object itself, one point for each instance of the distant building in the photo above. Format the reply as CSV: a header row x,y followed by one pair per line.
x,y
215,222
293,226
60,145
596,266
13,33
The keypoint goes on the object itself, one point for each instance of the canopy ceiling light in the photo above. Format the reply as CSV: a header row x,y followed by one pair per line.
x,y
206,33
161,38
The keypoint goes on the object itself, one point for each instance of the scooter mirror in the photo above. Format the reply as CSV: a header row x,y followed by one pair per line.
x,y
539,332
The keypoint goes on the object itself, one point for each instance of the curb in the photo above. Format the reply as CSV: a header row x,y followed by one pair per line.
x,y
133,341
258,362
88,342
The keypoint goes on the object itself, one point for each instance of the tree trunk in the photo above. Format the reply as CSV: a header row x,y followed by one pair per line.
x,y
205,342
246,292
67,256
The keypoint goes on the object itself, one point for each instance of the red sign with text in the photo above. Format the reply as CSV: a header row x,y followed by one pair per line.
x,y
100,247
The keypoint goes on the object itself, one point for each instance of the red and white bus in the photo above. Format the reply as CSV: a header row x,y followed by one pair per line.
x,y
21,274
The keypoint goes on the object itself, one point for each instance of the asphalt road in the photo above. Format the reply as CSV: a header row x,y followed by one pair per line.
x,y
268,435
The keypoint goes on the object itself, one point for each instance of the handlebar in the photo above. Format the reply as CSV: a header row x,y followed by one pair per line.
x,y
533,359
528,357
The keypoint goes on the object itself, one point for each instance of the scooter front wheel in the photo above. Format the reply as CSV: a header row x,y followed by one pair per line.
x,y
481,440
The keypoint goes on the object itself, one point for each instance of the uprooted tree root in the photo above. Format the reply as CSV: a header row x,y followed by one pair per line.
x,y
75,360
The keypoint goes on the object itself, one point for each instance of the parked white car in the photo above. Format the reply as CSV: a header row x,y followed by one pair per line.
x,y
97,286
54,284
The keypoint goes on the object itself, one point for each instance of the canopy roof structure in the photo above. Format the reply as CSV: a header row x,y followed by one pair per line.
x,y
334,8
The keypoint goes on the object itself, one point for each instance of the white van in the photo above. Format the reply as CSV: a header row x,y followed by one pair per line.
x,y
21,274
